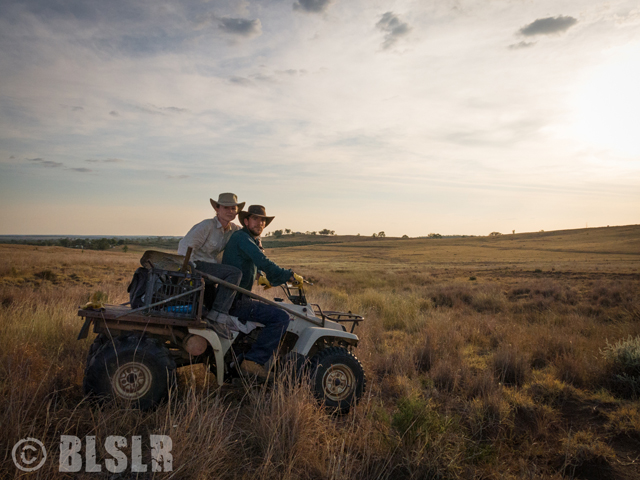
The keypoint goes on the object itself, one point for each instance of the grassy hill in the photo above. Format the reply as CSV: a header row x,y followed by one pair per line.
x,y
502,357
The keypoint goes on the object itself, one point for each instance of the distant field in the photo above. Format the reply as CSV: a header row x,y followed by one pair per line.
x,y
510,357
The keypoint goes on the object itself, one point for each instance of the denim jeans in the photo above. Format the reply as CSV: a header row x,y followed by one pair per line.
x,y
275,323
224,296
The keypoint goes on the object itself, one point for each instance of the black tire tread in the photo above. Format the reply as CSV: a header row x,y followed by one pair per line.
x,y
95,383
317,361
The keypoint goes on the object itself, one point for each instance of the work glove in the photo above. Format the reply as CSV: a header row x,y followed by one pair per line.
x,y
298,280
262,280
93,305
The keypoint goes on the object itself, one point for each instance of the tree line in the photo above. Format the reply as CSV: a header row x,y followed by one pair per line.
x,y
98,243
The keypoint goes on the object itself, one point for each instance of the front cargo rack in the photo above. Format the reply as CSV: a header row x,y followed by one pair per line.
x,y
340,317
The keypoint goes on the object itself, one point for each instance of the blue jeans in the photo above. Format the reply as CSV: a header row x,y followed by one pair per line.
x,y
275,323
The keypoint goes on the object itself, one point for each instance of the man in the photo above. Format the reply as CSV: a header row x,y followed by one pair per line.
x,y
208,239
243,251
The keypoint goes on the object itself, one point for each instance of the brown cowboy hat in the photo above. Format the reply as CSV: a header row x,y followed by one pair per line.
x,y
258,211
227,200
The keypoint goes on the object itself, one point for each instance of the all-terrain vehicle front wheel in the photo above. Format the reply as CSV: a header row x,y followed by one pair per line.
x,y
337,378
132,368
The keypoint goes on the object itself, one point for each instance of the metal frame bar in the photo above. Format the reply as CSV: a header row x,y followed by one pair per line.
x,y
232,286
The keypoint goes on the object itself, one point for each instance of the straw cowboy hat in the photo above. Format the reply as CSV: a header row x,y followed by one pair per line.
x,y
258,211
227,200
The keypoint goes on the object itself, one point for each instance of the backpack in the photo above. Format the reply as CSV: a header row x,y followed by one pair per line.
x,y
138,287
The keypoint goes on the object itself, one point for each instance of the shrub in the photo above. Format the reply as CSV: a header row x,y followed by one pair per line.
x,y
489,417
510,367
624,355
447,376
488,302
625,421
623,358
452,295
47,275
548,348
424,354
583,452
417,417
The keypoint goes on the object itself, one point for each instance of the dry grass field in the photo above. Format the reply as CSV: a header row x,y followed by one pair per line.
x,y
511,357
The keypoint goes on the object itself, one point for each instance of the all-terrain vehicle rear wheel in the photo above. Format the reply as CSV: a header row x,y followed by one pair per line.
x,y
337,378
132,368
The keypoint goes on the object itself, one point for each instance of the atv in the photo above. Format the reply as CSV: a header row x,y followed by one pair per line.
x,y
136,352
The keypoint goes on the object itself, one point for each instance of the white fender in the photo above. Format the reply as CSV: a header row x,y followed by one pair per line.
x,y
219,346
311,334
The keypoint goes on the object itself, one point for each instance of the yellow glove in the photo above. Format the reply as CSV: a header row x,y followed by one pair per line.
x,y
93,306
262,280
299,280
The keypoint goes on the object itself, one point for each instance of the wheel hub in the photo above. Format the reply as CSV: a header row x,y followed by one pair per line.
x,y
132,380
338,382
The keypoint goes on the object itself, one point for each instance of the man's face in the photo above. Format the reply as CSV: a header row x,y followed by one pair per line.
x,y
255,224
226,214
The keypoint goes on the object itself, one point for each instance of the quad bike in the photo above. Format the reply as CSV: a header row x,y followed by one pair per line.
x,y
137,350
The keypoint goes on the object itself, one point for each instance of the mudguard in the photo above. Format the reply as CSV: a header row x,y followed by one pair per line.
x,y
311,335
219,346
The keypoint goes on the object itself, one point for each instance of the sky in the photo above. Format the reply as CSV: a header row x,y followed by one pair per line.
x,y
360,116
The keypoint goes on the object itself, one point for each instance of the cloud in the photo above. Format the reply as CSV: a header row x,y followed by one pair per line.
x,y
520,45
241,26
81,170
245,82
178,177
174,109
312,6
73,108
155,110
113,113
291,72
548,26
106,160
45,163
394,28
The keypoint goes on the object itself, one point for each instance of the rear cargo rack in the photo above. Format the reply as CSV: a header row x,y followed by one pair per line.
x,y
174,294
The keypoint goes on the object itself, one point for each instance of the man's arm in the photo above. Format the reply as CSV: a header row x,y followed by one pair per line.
x,y
275,274
195,238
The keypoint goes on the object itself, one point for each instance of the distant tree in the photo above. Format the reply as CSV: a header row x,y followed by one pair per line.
x,y
374,235
287,231
405,236
277,233
326,231
495,234
125,249
434,235
358,235
314,233
101,244
381,234
513,232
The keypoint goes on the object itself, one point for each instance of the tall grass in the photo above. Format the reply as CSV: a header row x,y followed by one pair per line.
x,y
479,379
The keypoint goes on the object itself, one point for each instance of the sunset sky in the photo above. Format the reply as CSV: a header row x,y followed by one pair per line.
x,y
124,117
